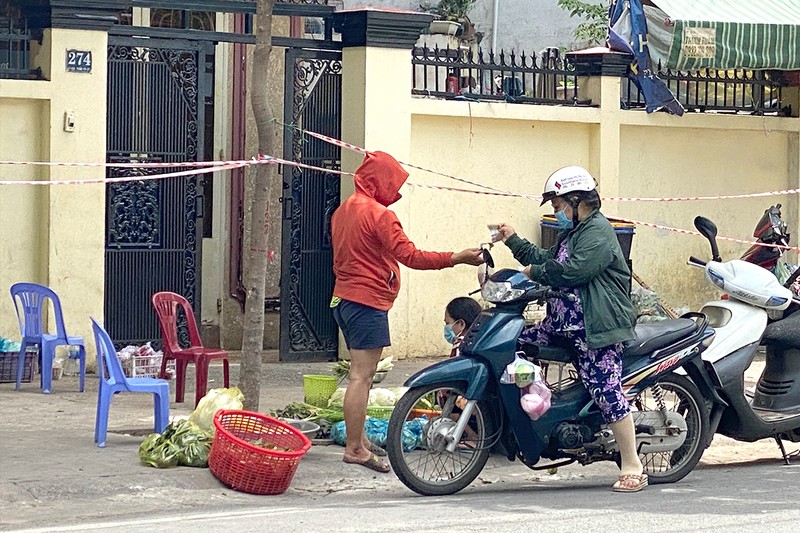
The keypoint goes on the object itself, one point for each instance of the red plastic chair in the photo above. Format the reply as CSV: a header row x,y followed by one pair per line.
x,y
166,304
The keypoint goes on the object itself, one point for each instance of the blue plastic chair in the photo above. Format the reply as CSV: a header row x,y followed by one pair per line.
x,y
113,381
31,298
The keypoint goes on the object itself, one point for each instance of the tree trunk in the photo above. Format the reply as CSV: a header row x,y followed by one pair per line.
x,y
257,194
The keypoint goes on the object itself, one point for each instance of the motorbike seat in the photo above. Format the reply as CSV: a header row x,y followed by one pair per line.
x,y
651,336
783,333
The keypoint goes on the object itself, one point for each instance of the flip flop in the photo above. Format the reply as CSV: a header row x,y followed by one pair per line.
x,y
623,484
377,450
373,463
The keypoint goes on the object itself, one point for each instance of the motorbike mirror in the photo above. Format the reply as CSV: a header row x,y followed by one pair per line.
x,y
709,230
487,268
483,274
487,257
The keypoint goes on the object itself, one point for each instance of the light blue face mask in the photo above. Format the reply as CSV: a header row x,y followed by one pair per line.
x,y
449,335
563,221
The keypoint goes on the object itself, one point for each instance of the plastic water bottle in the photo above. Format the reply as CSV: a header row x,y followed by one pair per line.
x,y
71,368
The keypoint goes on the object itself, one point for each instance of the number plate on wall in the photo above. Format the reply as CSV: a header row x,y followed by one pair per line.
x,y
79,61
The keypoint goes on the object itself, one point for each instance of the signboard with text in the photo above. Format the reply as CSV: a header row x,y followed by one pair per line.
x,y
79,61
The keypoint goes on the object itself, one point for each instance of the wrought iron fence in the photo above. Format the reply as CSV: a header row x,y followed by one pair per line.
x,y
729,91
519,78
15,37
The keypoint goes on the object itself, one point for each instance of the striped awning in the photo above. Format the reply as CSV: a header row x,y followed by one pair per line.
x,y
729,34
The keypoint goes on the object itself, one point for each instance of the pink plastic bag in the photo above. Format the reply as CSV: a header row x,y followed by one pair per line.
x,y
535,399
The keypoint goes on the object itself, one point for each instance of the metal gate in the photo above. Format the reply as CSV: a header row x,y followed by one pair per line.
x,y
157,96
312,101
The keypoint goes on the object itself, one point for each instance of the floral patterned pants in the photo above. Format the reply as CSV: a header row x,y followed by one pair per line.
x,y
600,369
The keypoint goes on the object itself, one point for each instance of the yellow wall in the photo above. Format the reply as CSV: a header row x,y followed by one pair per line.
x,y
515,147
55,235
700,162
513,155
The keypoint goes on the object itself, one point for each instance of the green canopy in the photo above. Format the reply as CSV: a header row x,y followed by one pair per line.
x,y
728,34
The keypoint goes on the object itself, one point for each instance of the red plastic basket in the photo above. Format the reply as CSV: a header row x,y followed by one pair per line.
x,y
244,466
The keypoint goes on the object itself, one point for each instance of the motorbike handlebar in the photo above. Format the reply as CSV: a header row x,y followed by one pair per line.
x,y
561,295
693,261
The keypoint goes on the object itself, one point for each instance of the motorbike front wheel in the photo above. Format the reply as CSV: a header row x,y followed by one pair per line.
x,y
678,394
429,468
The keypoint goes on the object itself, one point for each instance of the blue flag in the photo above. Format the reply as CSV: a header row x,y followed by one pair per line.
x,y
627,32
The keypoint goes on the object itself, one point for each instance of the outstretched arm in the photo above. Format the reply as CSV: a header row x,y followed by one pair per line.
x,y
395,240
524,251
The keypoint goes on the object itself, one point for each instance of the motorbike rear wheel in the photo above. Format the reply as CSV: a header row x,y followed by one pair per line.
x,y
429,469
679,395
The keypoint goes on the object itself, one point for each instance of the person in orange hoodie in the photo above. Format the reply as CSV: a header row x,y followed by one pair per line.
x,y
368,243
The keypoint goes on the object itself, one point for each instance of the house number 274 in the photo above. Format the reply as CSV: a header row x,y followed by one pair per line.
x,y
79,61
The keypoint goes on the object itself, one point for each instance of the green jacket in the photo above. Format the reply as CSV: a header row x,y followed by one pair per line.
x,y
596,267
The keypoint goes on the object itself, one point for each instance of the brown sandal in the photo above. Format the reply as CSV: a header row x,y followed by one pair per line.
x,y
373,463
377,450
624,483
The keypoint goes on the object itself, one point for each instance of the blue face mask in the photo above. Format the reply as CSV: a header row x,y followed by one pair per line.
x,y
449,335
563,221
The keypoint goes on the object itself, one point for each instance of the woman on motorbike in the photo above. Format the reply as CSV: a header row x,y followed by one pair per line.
x,y
587,262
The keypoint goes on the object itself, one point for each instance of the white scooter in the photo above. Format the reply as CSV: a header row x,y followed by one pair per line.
x,y
758,311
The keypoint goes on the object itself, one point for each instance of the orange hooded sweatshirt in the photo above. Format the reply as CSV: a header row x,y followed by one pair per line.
x,y
368,240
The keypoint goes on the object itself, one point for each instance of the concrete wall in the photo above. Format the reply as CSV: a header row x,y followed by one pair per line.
x,y
55,235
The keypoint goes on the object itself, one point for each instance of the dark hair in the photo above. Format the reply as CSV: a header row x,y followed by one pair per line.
x,y
591,199
463,308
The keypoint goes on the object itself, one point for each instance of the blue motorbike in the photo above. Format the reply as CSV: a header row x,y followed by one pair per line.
x,y
469,413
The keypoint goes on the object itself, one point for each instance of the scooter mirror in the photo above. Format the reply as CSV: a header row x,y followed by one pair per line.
x,y
487,257
709,230
487,268
483,274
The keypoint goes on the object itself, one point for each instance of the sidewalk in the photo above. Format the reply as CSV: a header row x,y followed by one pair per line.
x,y
49,466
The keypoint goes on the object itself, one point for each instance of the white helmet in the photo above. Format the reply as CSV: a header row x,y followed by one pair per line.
x,y
566,180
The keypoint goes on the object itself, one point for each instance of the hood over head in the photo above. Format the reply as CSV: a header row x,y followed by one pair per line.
x,y
380,176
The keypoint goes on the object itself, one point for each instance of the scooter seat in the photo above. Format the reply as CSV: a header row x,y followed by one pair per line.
x,y
783,333
651,336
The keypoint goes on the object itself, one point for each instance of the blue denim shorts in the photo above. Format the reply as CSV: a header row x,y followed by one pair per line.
x,y
363,327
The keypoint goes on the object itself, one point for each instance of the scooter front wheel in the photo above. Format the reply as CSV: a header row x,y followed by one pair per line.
x,y
424,464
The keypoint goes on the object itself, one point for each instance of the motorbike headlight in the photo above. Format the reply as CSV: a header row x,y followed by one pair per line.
x,y
500,291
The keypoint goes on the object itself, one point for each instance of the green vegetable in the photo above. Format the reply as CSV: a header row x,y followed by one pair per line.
x,y
310,413
181,442
158,452
337,397
385,364
424,403
341,369
194,443
381,398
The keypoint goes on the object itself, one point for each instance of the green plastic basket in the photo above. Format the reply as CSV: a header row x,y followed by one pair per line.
x,y
318,389
373,411
382,412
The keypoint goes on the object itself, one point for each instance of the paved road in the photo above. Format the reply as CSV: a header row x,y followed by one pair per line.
x,y
759,495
